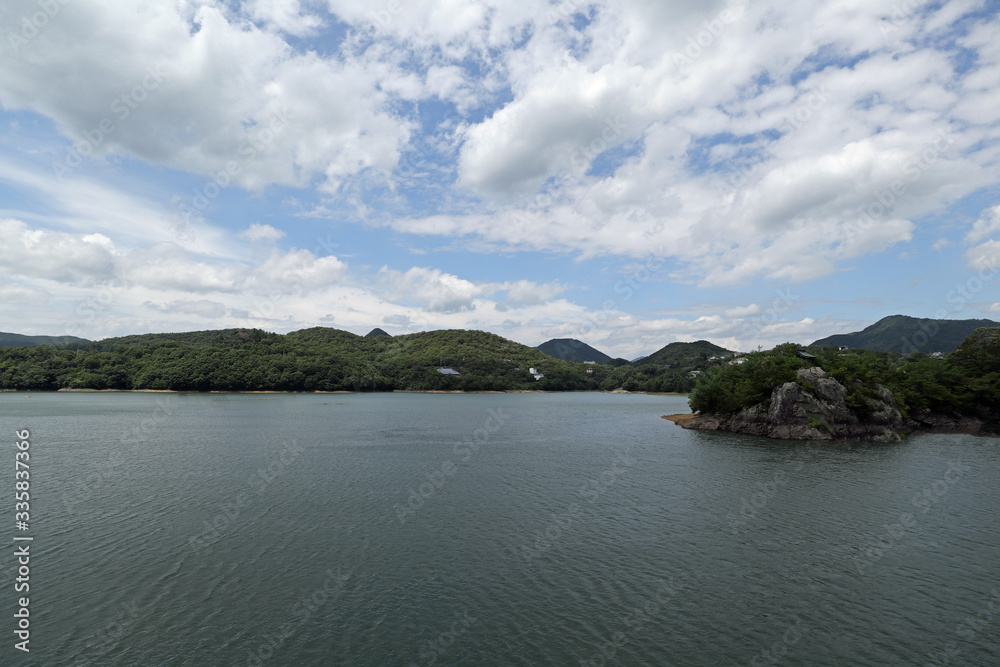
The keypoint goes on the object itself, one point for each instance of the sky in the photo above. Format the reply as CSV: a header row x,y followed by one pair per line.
x,y
629,173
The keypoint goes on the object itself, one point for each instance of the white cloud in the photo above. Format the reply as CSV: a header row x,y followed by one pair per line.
x,y
14,293
202,307
987,225
190,86
432,289
985,257
259,232
55,256
284,15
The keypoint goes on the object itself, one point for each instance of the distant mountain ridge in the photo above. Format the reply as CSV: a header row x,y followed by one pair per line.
x,y
21,340
678,355
571,349
904,334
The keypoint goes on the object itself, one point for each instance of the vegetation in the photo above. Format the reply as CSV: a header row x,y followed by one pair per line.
x,y
20,340
904,335
570,349
685,355
308,360
965,382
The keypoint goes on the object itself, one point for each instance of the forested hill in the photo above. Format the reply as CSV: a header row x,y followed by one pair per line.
x,y
903,334
307,360
20,340
681,355
571,349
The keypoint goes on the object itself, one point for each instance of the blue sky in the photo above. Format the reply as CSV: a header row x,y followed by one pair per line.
x,y
629,173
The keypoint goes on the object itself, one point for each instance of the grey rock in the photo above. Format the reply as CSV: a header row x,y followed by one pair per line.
x,y
814,407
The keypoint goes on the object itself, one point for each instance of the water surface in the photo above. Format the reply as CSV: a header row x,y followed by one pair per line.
x,y
489,529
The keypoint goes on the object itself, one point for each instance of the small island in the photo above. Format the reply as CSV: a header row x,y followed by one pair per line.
x,y
827,393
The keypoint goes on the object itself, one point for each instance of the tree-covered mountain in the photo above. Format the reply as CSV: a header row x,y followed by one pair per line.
x,y
20,340
375,332
571,349
306,360
671,369
684,355
903,334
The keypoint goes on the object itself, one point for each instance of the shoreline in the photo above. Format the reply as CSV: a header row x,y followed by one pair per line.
x,y
339,391
945,426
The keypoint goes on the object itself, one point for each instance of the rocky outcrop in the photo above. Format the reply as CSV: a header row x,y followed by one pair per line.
x,y
933,422
814,407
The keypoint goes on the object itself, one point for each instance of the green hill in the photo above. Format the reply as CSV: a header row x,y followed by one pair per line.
x,y
196,338
375,332
19,340
904,334
571,349
306,360
684,355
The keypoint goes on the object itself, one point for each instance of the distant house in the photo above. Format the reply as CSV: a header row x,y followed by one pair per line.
x,y
448,371
805,355
694,374
841,348
590,371
590,362
534,371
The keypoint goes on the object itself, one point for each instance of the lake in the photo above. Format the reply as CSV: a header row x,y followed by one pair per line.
x,y
487,529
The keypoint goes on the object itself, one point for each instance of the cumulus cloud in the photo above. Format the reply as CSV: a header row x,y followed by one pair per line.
x,y
14,293
58,256
432,289
202,307
986,226
284,15
194,87
259,232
